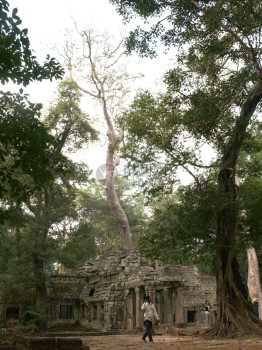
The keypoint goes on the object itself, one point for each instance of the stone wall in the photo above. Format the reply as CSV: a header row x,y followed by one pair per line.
x,y
107,292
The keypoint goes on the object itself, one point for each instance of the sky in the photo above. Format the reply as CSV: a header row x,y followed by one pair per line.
x,y
47,22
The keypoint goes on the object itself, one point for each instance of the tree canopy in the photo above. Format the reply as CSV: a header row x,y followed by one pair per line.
x,y
34,245
17,61
187,217
24,140
213,94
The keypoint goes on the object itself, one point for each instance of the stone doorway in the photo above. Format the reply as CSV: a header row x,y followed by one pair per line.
x,y
12,314
167,305
131,309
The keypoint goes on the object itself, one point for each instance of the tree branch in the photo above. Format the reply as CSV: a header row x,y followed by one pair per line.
x,y
234,144
249,50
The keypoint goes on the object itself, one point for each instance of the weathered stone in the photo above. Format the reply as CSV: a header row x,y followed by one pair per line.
x,y
159,330
172,330
69,344
42,343
106,293
185,332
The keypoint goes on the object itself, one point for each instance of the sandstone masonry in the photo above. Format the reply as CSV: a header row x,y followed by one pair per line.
x,y
106,293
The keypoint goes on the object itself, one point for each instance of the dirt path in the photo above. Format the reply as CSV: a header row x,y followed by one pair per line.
x,y
167,342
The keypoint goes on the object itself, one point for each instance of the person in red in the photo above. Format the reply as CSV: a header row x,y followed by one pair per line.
x,y
150,315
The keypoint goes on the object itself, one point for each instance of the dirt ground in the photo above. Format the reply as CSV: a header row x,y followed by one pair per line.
x,y
168,342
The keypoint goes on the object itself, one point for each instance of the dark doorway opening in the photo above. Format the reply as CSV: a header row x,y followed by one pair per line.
x,y
191,316
66,312
12,313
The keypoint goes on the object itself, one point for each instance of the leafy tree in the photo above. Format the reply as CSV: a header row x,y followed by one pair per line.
x,y
5,248
78,245
213,94
187,241
71,128
24,147
50,205
24,141
249,172
17,62
94,211
183,240
250,176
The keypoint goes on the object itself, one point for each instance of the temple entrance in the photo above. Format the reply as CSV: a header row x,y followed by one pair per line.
x,y
168,305
131,309
160,306
12,314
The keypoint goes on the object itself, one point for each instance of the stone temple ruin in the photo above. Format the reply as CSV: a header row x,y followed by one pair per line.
x,y
107,293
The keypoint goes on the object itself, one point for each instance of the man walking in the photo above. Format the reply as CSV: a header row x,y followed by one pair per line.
x,y
150,315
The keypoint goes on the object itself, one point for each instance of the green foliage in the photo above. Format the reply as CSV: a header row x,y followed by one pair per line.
x,y
37,182
250,171
95,213
250,163
177,22
251,193
143,8
24,140
212,97
24,147
208,91
34,319
79,246
183,226
5,248
36,219
55,206
17,62
65,114
165,138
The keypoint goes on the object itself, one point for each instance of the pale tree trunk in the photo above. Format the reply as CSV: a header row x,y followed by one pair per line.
x,y
105,80
253,282
112,160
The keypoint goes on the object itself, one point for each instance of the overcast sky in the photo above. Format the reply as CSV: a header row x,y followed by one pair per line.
x,y
48,19
47,22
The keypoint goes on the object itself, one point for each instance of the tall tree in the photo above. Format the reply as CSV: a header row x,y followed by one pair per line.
x,y
50,205
71,129
213,94
101,77
173,236
24,141
94,211
25,145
